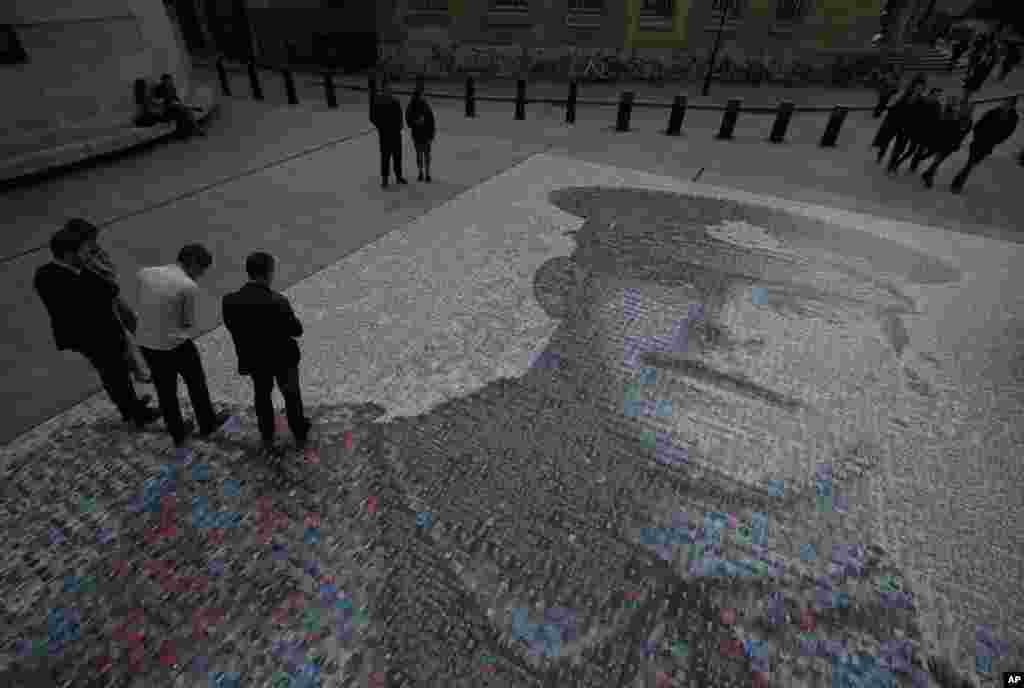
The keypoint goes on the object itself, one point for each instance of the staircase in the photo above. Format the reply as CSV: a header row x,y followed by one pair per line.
x,y
924,58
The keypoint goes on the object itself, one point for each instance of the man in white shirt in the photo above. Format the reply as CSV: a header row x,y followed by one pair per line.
x,y
168,295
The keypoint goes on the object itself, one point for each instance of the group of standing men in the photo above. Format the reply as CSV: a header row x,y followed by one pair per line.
x,y
920,126
80,290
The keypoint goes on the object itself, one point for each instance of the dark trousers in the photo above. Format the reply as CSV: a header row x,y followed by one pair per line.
x,y
391,155
288,382
974,157
898,148
940,157
165,367
116,376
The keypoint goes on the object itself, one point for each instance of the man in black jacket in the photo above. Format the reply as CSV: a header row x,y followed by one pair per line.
x,y
924,125
386,115
953,129
420,118
264,327
904,117
994,127
82,312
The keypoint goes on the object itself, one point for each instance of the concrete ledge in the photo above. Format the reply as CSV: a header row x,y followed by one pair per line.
x,y
92,143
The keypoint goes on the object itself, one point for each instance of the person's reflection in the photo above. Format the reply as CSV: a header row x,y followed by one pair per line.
x,y
540,484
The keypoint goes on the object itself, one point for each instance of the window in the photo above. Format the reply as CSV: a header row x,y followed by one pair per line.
x,y
11,51
659,8
428,5
730,6
791,10
586,5
515,5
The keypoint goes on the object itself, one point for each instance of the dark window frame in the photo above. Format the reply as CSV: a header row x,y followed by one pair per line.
x,y
510,5
587,6
663,9
791,11
11,50
428,6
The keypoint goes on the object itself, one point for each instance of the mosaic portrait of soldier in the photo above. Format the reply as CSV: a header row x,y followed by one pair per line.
x,y
778,345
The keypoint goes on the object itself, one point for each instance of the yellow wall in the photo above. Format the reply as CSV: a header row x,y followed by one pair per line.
x,y
676,38
838,17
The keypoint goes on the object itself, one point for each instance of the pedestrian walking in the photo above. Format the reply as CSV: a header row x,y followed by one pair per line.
x,y
264,328
959,48
83,315
994,127
168,300
954,128
420,118
979,73
888,87
1011,59
889,127
903,124
386,116
99,263
922,133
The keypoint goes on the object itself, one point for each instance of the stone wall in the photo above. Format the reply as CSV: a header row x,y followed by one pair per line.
x,y
83,56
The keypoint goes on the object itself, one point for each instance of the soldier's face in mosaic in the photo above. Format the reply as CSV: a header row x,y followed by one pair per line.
x,y
765,332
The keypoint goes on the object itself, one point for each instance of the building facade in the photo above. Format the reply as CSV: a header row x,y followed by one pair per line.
x,y
66,63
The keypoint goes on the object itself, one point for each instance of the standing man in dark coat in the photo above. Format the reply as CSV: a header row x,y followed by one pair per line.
x,y
420,118
264,327
924,128
888,87
953,128
83,314
994,127
386,115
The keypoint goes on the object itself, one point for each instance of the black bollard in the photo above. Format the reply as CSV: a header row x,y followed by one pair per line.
x,y
732,113
675,119
625,110
470,97
225,84
521,99
289,86
254,81
570,105
835,123
782,118
332,96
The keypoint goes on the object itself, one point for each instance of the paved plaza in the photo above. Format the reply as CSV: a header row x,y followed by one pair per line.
x,y
580,420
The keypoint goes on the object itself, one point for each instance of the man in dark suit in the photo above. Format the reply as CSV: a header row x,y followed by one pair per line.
x,y
264,327
83,316
994,127
386,116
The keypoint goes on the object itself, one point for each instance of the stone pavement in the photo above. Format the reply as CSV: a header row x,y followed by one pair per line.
x,y
444,350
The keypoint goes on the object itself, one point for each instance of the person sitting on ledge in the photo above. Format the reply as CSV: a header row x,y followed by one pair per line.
x,y
167,96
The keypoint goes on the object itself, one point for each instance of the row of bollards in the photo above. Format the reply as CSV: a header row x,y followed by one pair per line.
x,y
783,116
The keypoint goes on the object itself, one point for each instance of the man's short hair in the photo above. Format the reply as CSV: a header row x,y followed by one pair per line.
x,y
87,229
259,265
65,241
195,255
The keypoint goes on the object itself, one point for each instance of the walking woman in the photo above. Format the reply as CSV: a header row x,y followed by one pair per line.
x,y
420,118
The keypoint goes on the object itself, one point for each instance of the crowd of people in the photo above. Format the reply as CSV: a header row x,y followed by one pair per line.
x,y
922,126
80,290
985,52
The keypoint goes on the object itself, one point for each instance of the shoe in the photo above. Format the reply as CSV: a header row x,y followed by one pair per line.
x,y
146,416
384,184
428,178
419,177
218,422
402,180
928,181
956,189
